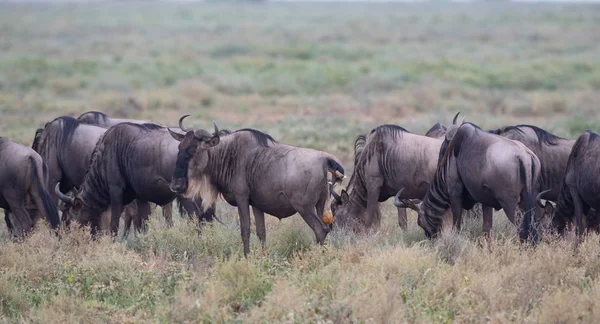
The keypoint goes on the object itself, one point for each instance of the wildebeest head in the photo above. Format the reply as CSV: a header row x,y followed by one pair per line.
x,y
70,207
193,149
424,222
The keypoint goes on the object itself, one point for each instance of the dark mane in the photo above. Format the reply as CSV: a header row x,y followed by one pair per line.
x,y
435,128
97,115
147,126
543,135
262,138
359,146
394,130
61,129
37,138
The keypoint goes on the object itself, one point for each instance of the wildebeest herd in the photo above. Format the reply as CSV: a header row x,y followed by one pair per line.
x,y
99,169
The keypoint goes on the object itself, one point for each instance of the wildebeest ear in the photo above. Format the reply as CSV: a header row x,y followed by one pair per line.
x,y
344,196
214,141
178,137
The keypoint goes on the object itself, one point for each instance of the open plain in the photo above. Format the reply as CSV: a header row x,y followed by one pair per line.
x,y
313,75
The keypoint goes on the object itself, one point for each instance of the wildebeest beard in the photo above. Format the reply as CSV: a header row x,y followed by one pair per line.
x,y
196,185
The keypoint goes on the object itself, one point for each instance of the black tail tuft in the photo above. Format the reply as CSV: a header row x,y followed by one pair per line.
x,y
529,229
48,204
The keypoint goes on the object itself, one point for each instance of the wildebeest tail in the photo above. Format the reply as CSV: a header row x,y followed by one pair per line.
x,y
334,167
529,229
39,182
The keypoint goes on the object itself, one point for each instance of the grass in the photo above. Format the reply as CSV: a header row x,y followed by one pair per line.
x,y
314,75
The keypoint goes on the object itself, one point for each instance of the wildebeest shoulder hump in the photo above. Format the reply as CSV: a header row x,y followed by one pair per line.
x,y
262,138
394,130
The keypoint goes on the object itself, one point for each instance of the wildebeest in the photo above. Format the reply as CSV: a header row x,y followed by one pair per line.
x,y
249,168
23,191
66,145
131,161
389,159
186,206
580,188
477,166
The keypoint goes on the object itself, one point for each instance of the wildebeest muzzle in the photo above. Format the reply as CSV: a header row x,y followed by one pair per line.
x,y
179,185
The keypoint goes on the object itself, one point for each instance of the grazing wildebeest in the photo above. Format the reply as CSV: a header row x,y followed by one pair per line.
x,y
66,146
131,161
23,192
250,168
477,166
186,206
389,159
580,188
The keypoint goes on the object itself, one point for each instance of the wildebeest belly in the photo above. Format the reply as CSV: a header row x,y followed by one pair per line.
x,y
157,192
275,204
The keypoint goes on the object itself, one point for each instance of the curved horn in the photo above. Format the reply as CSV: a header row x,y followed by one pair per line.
x,y
335,194
181,124
538,198
455,117
62,196
216,128
397,201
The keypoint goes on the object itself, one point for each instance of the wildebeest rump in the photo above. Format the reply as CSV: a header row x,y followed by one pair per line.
x,y
580,189
66,146
250,168
131,161
23,191
479,167
389,159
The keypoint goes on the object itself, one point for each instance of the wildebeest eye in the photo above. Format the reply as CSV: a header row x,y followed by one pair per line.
x,y
191,150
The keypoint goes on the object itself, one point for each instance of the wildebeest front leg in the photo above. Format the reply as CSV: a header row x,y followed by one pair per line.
x,y
259,219
402,220
456,207
244,212
372,205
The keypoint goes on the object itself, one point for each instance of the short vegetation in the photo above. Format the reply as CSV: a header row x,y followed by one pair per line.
x,y
313,75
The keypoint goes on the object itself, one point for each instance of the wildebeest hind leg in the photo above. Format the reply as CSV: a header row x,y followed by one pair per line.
x,y
580,209
259,219
488,221
21,221
309,214
116,206
456,207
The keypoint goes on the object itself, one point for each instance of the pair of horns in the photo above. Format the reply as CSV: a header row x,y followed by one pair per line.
x,y
62,196
405,203
185,129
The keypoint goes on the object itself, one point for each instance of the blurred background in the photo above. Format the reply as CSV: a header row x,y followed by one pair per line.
x,y
309,73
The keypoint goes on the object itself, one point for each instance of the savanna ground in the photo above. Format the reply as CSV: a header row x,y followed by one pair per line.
x,y
314,75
